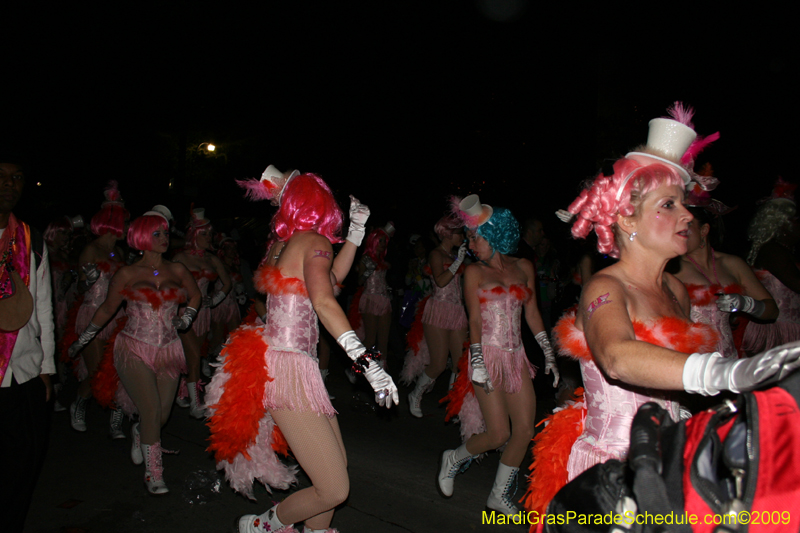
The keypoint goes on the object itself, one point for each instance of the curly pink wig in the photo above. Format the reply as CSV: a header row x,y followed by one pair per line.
x,y
110,219
447,225
371,246
61,224
307,204
140,233
597,207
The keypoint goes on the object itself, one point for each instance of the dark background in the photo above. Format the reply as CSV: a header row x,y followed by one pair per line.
x,y
399,103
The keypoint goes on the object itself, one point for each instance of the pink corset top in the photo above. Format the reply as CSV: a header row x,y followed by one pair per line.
x,y
501,312
150,313
97,293
450,293
788,301
291,320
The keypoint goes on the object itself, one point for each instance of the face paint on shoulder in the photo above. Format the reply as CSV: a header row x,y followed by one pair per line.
x,y
596,304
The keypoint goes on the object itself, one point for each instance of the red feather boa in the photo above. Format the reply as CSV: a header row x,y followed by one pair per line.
x,y
702,295
269,280
417,333
461,387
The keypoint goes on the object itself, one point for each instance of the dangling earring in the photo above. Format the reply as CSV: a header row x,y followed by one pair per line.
x,y
703,242
631,236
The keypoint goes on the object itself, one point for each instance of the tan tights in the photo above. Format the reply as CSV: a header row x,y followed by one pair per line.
x,y
498,408
441,342
316,443
376,331
152,395
92,355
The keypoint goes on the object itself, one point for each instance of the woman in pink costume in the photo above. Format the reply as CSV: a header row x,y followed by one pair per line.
x,y
148,355
375,304
497,289
774,232
632,332
206,268
444,319
99,261
226,316
718,284
268,392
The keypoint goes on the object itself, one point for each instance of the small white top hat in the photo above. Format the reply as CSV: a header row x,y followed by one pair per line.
x,y
275,181
155,213
76,221
667,141
473,212
199,217
163,211
389,228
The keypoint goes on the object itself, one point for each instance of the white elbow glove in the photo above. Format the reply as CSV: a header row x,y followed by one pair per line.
x,y
710,373
462,251
385,390
731,303
92,275
359,213
213,301
83,339
549,357
480,375
183,322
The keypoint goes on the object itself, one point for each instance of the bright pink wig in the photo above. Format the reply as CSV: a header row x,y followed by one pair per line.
x,y
110,219
61,224
140,233
191,234
447,225
597,208
307,204
371,246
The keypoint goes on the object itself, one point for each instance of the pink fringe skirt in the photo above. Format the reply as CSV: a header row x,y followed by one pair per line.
x,y
297,384
444,315
84,317
166,361
761,337
375,304
202,322
506,368
226,311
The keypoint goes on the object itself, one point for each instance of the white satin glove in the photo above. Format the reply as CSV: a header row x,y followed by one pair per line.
x,y
462,252
92,275
480,375
549,356
710,373
386,393
731,303
213,301
183,322
359,213
83,339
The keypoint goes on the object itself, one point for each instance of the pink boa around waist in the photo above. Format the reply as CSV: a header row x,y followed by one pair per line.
x,y
84,317
375,304
444,315
761,337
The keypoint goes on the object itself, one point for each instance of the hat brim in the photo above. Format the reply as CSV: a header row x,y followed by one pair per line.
x,y
648,159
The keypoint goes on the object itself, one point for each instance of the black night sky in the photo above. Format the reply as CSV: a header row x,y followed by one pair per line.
x,y
399,103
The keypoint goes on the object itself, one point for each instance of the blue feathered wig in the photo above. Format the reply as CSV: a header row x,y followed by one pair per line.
x,y
501,231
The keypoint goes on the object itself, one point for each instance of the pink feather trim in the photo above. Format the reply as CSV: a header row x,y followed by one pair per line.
x,y
682,114
698,145
455,208
257,190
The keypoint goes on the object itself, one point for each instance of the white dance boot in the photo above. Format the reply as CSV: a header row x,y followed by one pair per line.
x,y
424,384
136,445
115,426
251,523
196,409
502,497
453,462
77,414
153,469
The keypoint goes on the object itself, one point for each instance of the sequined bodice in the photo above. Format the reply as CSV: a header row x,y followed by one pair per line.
x,y
704,309
450,293
788,301
97,293
376,283
150,313
501,312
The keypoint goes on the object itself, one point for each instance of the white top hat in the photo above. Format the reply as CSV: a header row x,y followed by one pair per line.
x,y
76,221
155,213
163,211
275,181
667,141
389,229
473,212
199,217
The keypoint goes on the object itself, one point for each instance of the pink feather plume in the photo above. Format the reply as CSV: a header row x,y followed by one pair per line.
x,y
257,190
682,114
455,208
698,145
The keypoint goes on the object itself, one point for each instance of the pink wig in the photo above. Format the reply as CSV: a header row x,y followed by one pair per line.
x,y
307,204
140,233
447,225
371,246
597,207
110,219
191,234
61,224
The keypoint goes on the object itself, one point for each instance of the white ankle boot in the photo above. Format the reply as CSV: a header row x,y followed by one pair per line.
x,y
136,445
453,462
196,409
502,497
251,523
115,426
153,469
77,414
424,384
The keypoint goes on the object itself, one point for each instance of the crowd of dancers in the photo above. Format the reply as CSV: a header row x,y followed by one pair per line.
x,y
669,319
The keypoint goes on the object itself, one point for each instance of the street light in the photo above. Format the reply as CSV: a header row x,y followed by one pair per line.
x,y
206,147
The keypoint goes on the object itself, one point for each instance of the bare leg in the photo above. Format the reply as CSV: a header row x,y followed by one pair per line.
x,y
191,348
316,443
495,414
437,339
92,355
521,407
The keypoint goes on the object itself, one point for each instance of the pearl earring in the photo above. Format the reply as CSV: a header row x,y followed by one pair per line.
x,y
631,236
